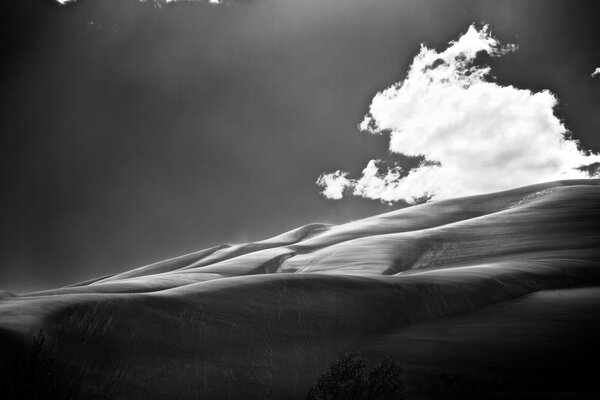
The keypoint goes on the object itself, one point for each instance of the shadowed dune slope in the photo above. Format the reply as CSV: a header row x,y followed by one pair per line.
x,y
260,320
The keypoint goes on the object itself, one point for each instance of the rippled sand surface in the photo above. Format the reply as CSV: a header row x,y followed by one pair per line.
x,y
486,281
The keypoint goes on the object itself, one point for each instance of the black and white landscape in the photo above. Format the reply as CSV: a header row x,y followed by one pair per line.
x,y
505,286
433,166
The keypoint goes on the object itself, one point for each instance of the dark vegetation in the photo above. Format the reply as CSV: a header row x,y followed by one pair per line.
x,y
347,379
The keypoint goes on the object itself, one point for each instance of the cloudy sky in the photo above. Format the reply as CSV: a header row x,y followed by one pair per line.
x,y
137,131
467,133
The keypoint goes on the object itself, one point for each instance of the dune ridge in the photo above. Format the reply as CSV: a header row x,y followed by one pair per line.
x,y
269,315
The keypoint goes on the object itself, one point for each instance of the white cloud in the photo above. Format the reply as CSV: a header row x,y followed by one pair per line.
x,y
596,72
475,135
334,184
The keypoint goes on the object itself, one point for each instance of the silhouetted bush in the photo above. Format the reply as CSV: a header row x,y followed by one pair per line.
x,y
385,382
345,380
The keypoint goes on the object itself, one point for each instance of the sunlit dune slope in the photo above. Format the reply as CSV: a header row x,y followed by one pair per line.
x,y
260,320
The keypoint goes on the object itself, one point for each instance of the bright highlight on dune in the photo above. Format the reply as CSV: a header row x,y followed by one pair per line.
x,y
474,134
596,73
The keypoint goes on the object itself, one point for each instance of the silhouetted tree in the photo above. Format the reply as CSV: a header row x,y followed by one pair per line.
x,y
345,380
385,382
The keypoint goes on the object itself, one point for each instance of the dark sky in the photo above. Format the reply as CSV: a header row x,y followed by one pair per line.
x,y
132,133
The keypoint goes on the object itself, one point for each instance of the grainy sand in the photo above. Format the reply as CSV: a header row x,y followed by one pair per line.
x,y
485,282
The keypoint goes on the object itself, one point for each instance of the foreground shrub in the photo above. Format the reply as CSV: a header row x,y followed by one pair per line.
x,y
346,380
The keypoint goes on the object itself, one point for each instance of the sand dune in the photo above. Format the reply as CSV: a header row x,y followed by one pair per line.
x,y
261,320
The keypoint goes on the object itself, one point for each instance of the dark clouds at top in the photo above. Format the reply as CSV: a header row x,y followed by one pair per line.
x,y
132,133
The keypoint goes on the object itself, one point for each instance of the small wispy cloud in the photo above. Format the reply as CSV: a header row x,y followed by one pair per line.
x,y
473,134
596,73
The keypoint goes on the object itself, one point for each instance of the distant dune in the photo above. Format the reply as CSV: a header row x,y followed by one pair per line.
x,y
505,284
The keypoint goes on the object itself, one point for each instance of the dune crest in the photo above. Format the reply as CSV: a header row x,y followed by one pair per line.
x,y
242,312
